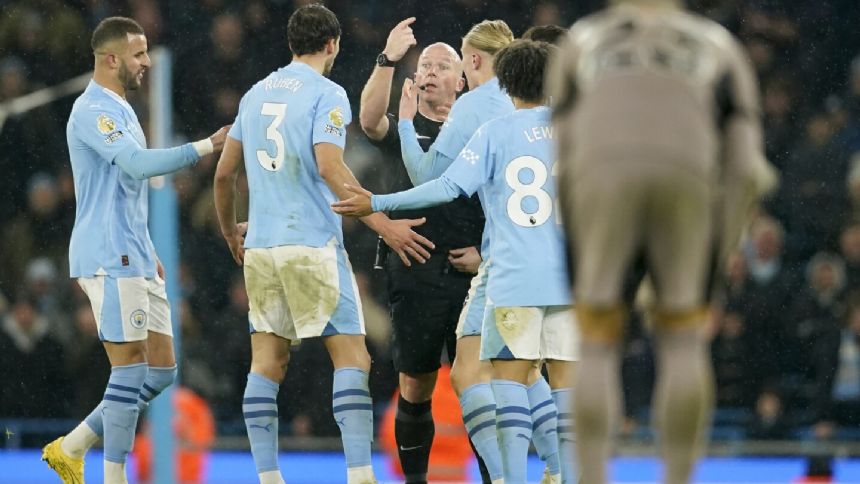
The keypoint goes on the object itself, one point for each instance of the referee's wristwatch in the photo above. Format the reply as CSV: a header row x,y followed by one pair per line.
x,y
382,60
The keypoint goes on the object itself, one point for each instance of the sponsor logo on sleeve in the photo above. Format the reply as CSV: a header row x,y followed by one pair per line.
x,y
105,124
336,117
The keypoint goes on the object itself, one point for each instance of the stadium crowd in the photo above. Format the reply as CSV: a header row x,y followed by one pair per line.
x,y
786,349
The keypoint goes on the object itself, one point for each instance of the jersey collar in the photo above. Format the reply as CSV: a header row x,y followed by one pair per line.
x,y
116,97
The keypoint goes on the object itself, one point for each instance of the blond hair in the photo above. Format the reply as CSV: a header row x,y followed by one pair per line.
x,y
489,36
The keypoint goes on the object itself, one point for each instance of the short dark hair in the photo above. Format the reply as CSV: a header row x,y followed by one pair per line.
x,y
520,68
550,34
113,28
310,27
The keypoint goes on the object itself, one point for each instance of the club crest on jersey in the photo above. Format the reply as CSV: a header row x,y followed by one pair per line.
x,y
336,117
105,124
138,318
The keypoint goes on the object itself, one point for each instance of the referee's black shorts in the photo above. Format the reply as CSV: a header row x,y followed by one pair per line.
x,y
425,301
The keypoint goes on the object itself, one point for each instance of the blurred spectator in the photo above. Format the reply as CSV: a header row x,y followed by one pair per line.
x,y
770,422
849,244
33,364
768,290
816,311
838,375
730,351
39,231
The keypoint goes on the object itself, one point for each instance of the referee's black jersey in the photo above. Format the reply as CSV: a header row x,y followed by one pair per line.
x,y
451,226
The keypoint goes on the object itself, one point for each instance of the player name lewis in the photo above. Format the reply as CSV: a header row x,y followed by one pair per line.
x,y
538,133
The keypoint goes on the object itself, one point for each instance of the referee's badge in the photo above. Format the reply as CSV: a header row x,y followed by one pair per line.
x,y
105,124
138,318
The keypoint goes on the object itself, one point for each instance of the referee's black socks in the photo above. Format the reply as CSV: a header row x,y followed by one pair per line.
x,y
413,432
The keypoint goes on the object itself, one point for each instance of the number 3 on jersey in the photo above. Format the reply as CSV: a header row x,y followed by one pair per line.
x,y
533,189
268,162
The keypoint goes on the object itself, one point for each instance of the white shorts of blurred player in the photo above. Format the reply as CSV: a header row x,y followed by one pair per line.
x,y
296,292
530,333
472,315
127,307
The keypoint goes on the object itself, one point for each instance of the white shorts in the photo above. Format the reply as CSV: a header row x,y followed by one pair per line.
x,y
530,333
472,315
127,307
296,292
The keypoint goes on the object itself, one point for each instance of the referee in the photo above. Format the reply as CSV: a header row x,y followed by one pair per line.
x,y
425,300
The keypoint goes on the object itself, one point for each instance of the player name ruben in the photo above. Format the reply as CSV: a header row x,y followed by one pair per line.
x,y
538,133
283,83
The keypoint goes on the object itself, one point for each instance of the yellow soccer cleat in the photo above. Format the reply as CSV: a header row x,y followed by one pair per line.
x,y
70,470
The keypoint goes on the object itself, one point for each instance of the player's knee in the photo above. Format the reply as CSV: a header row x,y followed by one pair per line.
x,y
601,324
670,320
417,387
273,367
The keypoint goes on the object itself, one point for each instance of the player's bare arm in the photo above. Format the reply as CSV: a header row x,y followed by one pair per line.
x,y
398,234
376,93
225,197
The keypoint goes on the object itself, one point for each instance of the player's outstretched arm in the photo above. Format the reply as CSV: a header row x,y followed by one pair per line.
x,y
143,163
225,198
436,192
398,234
377,91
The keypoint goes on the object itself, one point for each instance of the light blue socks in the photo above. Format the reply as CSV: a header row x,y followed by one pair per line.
x,y
544,423
157,379
567,445
514,424
479,416
353,412
120,410
260,409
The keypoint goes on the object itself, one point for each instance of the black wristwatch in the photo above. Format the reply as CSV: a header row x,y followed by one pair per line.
x,y
382,60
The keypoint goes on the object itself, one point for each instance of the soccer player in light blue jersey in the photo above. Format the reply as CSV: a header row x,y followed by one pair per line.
x,y
528,316
290,134
111,254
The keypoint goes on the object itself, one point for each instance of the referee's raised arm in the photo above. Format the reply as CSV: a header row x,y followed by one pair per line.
x,y
376,93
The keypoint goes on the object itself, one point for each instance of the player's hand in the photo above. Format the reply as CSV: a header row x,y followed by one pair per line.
x,y
408,100
465,260
219,137
400,39
236,242
405,242
356,206
159,269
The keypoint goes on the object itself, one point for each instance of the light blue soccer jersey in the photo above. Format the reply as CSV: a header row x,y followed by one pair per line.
x,y
110,236
512,159
468,113
280,120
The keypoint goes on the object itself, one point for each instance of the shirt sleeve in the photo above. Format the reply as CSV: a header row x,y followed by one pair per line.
x,y
331,118
236,130
420,166
459,126
105,131
434,192
473,167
